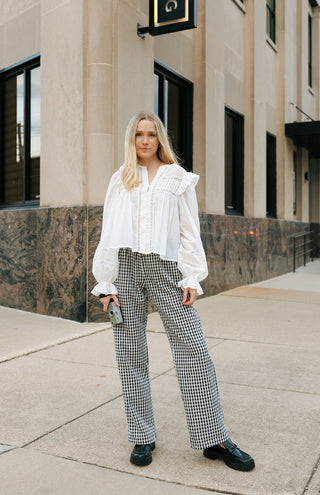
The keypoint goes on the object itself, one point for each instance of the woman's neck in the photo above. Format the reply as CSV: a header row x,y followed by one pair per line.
x,y
150,164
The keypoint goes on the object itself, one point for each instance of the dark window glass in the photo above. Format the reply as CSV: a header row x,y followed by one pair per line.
x,y
20,135
173,102
233,163
271,19
295,185
271,177
310,50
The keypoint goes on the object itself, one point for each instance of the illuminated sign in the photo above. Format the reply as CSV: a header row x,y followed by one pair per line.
x,y
169,16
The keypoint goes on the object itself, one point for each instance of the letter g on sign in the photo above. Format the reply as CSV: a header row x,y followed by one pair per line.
x,y
171,5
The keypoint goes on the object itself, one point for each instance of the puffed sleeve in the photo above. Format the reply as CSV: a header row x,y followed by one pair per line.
x,y
191,256
105,261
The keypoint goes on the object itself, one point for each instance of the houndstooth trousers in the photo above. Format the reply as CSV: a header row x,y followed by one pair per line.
x,y
140,276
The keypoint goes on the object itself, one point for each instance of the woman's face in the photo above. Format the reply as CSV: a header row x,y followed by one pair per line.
x,y
147,142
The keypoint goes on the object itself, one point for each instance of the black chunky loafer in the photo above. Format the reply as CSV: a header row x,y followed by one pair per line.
x,y
232,456
141,454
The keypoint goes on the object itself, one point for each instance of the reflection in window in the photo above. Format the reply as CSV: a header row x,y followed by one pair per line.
x,y
13,149
20,134
35,134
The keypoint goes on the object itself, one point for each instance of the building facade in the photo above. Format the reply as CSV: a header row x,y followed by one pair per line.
x,y
235,94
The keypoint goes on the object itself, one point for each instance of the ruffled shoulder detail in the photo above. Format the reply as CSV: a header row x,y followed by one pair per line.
x,y
188,179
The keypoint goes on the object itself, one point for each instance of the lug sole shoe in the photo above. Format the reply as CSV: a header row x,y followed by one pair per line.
x,y
231,455
142,454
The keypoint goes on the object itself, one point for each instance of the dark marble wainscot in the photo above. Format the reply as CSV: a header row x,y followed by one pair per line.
x,y
62,262
242,250
43,261
18,259
315,228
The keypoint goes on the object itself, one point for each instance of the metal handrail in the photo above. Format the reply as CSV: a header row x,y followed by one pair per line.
x,y
303,244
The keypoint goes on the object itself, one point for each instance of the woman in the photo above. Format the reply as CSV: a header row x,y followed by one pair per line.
x,y
150,246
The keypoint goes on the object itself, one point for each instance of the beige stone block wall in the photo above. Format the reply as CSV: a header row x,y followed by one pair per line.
x,y
285,82
20,31
234,55
99,76
133,66
175,51
62,104
214,105
14,8
199,109
2,30
256,111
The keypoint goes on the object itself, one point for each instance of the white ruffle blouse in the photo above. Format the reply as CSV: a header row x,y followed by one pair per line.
x,y
161,217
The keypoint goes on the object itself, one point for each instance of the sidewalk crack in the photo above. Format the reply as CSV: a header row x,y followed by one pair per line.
x,y
313,472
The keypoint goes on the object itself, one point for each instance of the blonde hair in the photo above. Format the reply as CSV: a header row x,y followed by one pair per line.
x,y
129,175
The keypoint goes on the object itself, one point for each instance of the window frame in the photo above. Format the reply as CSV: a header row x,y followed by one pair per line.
x,y
271,27
238,158
24,67
165,73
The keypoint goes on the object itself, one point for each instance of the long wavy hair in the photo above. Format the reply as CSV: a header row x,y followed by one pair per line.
x,y
165,152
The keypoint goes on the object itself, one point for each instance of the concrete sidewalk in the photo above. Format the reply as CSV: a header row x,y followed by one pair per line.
x,y
62,424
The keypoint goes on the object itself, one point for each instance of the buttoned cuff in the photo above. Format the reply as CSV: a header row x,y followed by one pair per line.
x,y
104,288
192,283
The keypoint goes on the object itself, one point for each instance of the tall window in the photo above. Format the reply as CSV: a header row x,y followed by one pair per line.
x,y
173,102
271,19
271,177
295,184
20,134
310,50
233,163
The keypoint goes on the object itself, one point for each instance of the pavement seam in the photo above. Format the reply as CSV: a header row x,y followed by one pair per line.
x,y
85,413
50,346
272,299
313,472
70,421
269,388
74,362
226,339
177,483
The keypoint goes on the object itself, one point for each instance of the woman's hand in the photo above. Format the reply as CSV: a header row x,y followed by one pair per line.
x,y
105,301
189,296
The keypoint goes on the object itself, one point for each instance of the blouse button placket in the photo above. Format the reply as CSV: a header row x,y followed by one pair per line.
x,y
144,235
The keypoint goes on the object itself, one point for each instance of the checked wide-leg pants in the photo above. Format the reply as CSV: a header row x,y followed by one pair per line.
x,y
140,276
